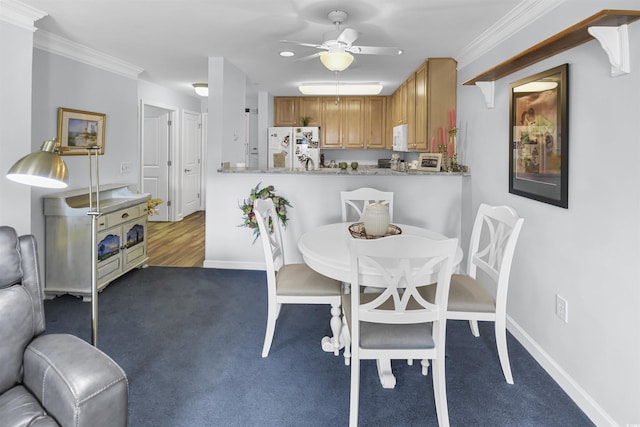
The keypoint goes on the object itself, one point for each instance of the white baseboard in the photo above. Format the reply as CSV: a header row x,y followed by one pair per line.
x,y
233,265
589,406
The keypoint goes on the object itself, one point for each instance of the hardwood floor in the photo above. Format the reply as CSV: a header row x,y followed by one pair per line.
x,y
177,244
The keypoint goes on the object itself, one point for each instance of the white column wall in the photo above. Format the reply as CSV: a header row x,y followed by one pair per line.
x,y
15,122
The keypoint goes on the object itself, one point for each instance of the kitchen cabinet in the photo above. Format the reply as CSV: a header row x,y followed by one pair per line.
x,y
310,106
342,122
424,100
121,237
285,111
439,79
399,100
375,122
420,125
410,110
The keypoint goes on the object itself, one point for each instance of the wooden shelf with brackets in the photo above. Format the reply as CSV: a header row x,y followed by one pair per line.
x,y
611,33
565,40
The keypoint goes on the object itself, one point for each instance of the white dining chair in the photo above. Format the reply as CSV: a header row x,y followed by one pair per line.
x,y
397,323
291,283
356,201
482,295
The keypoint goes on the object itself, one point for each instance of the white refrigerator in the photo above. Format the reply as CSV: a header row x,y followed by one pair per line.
x,y
294,148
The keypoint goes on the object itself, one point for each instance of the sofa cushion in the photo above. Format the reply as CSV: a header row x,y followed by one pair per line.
x,y
19,408
17,320
10,270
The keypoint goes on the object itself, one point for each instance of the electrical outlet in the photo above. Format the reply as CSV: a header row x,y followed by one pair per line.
x,y
562,308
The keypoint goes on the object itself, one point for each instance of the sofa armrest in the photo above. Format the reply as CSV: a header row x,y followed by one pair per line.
x,y
76,383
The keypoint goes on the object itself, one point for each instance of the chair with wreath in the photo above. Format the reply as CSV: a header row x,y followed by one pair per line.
x,y
291,283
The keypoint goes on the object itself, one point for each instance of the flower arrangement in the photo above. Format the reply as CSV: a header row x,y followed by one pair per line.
x,y
268,192
152,206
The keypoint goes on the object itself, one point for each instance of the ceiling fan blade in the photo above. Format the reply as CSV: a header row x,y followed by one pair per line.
x,y
374,50
317,46
308,57
348,36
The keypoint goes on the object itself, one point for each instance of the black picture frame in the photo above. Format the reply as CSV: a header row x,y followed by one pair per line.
x,y
539,137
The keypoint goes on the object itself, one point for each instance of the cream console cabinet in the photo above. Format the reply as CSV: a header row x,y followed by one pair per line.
x,y
121,237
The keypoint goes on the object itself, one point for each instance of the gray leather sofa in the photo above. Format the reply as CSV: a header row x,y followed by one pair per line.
x,y
48,380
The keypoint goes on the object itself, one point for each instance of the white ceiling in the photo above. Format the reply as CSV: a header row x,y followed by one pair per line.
x,y
172,39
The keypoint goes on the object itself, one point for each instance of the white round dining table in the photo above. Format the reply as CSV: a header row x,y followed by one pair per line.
x,y
326,250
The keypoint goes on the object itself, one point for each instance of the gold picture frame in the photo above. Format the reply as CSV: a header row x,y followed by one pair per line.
x,y
430,162
78,130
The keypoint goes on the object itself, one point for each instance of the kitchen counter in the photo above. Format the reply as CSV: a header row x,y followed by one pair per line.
x,y
362,170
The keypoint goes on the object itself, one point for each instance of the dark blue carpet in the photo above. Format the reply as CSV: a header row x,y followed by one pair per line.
x,y
190,340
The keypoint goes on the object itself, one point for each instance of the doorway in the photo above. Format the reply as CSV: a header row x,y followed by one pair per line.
x,y
157,136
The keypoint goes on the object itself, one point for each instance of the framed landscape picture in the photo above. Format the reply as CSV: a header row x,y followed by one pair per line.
x,y
539,143
79,130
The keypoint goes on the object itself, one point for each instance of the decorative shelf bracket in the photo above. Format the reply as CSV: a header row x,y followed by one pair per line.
x,y
615,42
488,91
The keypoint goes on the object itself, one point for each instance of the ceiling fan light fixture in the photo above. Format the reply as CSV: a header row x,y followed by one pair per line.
x,y
336,61
340,89
201,89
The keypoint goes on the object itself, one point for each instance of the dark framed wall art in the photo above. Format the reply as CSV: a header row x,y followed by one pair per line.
x,y
539,143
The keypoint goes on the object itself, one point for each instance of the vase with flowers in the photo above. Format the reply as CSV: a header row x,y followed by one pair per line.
x,y
152,206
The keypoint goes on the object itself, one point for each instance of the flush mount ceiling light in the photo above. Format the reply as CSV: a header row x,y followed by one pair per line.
x,y
286,53
201,89
340,89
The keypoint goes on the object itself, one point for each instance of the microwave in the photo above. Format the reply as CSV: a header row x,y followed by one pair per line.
x,y
400,138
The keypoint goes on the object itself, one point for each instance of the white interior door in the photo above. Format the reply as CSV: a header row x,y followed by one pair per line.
x,y
191,162
156,131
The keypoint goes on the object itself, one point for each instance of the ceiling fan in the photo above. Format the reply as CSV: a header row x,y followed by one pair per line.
x,y
337,45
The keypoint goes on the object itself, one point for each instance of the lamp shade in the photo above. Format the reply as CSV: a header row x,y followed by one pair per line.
x,y
336,61
44,168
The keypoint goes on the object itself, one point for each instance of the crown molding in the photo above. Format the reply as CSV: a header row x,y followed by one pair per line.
x,y
72,50
527,12
20,14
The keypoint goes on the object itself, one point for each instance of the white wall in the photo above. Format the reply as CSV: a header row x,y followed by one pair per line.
x,y
62,82
588,252
15,122
430,201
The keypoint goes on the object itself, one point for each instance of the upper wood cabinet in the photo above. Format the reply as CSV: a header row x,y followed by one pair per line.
x,y
429,94
342,122
420,141
285,110
399,108
410,109
441,81
375,122
310,106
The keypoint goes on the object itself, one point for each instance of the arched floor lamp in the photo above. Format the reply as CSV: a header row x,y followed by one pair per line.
x,y
45,168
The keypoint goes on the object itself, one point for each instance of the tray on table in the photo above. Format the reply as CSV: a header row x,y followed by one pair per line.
x,y
358,232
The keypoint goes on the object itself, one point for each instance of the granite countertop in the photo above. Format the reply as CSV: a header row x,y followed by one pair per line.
x,y
362,170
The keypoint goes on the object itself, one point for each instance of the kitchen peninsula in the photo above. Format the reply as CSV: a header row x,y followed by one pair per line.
x,y
424,199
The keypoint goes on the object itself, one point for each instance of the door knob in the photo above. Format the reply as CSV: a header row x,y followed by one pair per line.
x,y
187,170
